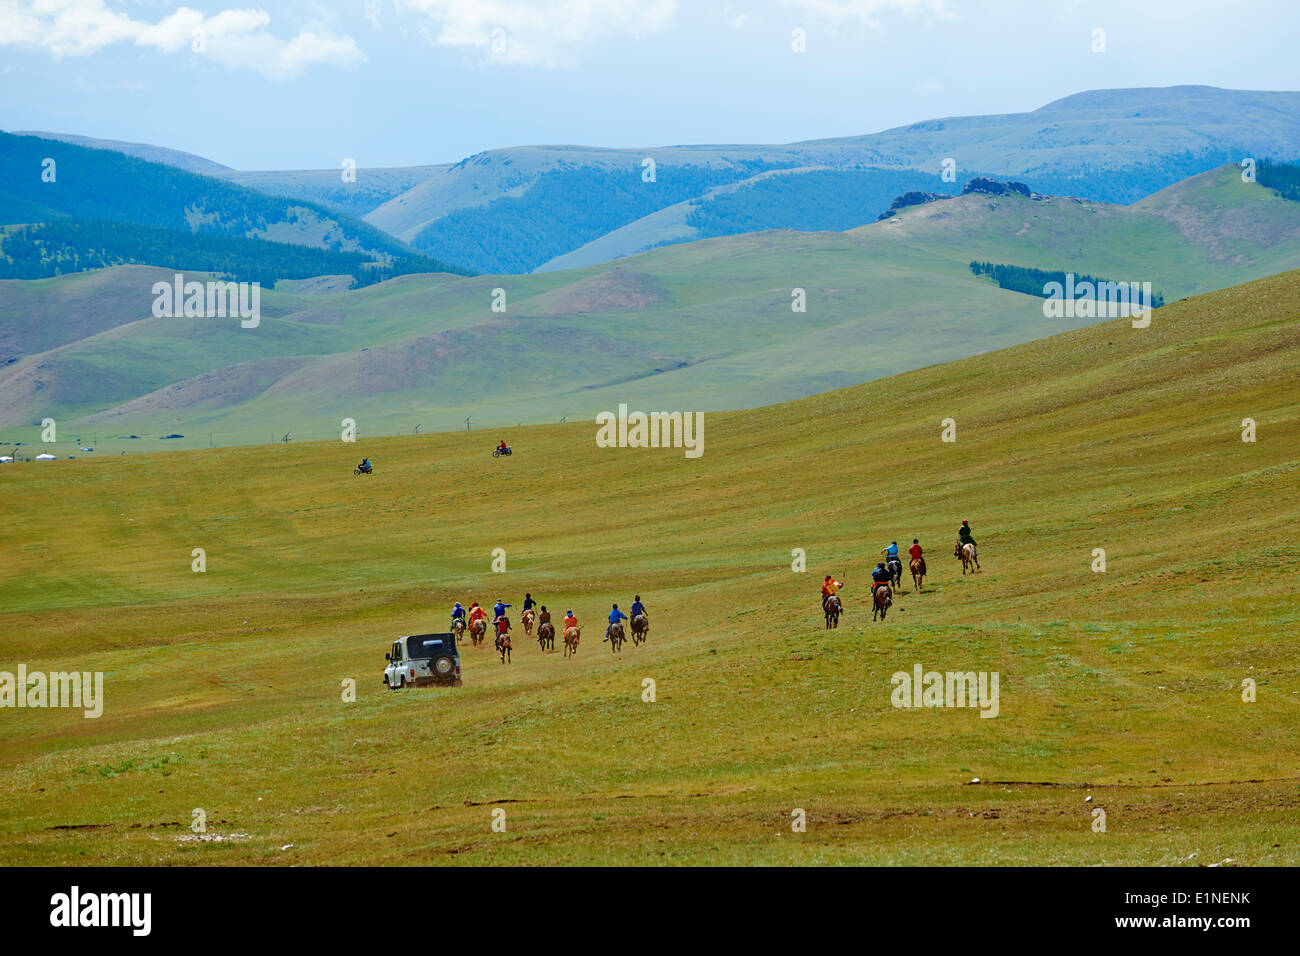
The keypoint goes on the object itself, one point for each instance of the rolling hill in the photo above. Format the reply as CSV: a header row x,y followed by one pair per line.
x,y
1105,145
704,325
1120,691
70,181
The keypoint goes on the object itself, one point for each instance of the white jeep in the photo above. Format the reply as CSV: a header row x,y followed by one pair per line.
x,y
423,659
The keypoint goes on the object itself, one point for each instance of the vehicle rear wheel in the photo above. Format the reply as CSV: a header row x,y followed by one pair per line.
x,y
443,666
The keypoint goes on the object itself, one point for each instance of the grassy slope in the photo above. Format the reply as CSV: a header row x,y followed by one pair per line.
x,y
882,299
223,688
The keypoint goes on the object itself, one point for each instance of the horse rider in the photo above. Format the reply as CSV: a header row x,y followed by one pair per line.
x,y
499,609
457,613
503,626
915,550
569,620
829,587
528,601
891,555
638,607
476,613
544,617
879,576
615,616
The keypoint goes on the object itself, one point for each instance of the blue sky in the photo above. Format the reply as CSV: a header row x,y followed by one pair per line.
x,y
300,84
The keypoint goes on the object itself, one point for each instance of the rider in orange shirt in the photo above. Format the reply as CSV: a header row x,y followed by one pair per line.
x,y
829,587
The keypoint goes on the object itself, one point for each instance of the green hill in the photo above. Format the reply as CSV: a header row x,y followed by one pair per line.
x,y
704,325
1120,691
105,184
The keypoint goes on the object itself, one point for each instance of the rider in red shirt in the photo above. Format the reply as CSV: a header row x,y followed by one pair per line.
x,y
915,549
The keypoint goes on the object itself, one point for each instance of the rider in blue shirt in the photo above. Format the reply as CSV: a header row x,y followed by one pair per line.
x,y
458,612
528,601
637,606
499,608
615,616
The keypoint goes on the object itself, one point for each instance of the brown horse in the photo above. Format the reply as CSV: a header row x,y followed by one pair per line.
x,y
966,552
503,646
833,609
616,638
477,631
882,600
571,635
546,636
918,573
458,628
527,618
640,629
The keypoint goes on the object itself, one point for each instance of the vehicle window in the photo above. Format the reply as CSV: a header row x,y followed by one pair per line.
x,y
397,650
424,646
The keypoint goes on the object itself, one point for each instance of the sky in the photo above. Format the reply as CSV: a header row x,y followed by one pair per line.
x,y
299,84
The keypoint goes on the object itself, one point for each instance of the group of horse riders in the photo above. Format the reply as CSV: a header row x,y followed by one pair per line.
x,y
501,621
891,569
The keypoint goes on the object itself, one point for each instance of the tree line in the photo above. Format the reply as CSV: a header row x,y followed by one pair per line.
x,y
1033,281
62,246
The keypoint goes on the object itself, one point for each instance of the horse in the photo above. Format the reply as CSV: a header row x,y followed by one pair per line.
x,y
833,608
882,599
895,567
571,635
477,631
918,572
528,617
503,646
640,629
458,628
546,636
616,638
966,552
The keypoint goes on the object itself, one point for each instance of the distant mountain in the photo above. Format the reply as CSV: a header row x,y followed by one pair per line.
x,y
153,154
68,183
546,207
701,325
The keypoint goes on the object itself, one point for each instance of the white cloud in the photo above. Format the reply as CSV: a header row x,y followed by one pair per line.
x,y
867,12
537,32
236,38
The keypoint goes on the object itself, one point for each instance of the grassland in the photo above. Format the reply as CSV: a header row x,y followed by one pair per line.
x,y
223,688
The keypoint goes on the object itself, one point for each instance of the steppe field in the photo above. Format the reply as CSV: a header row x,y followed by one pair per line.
x,y
1124,689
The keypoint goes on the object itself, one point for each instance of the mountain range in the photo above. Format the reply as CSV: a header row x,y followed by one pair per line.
x,y
540,208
